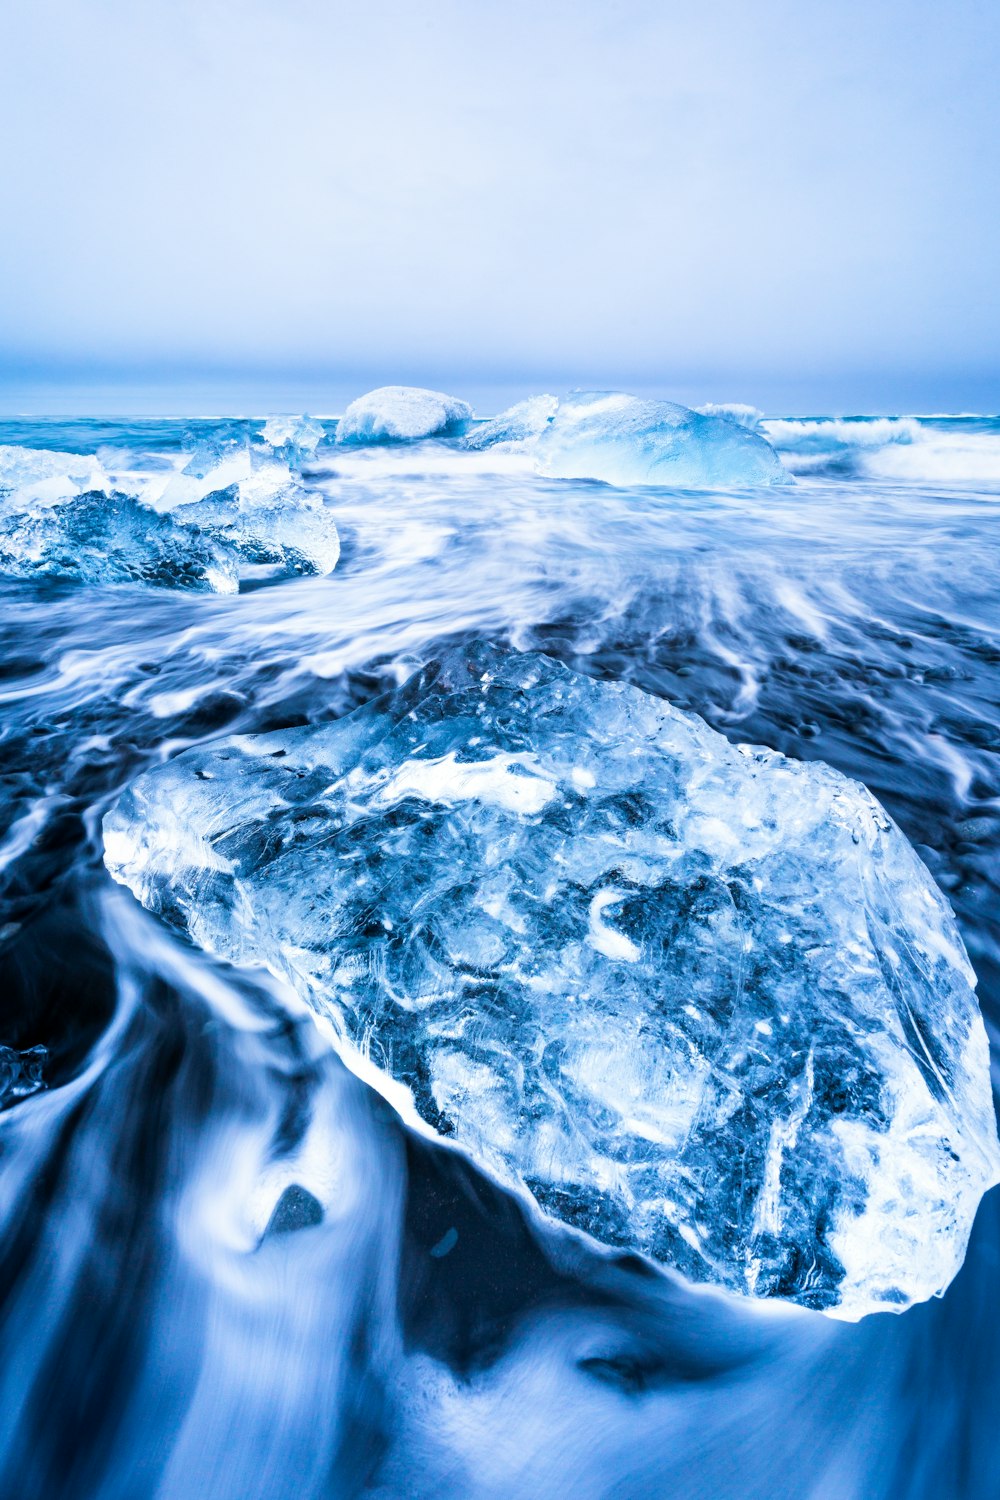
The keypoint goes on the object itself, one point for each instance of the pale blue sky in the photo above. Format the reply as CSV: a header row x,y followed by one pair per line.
x,y
796,204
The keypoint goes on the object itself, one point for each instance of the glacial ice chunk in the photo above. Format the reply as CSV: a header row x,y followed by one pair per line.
x,y
697,999
402,413
289,533
45,476
21,1073
248,500
217,466
625,440
109,538
229,508
297,434
518,424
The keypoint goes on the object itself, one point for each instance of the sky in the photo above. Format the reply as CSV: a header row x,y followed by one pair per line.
x,y
229,201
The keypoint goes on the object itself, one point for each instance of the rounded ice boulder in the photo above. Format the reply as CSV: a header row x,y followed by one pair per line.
x,y
402,413
699,1000
626,440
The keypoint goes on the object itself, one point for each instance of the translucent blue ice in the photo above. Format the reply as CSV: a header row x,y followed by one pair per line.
x,y
41,475
697,999
624,440
229,509
248,498
297,435
287,534
103,538
402,413
518,424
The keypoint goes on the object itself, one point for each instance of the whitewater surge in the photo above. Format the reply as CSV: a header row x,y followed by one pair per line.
x,y
229,1266
962,451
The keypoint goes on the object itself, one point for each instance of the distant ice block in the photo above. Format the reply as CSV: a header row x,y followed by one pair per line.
x,y
109,538
299,434
697,999
624,440
402,413
518,424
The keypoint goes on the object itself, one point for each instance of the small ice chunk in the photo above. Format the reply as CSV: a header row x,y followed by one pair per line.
x,y
291,533
698,999
519,424
299,434
100,538
249,500
21,1073
402,413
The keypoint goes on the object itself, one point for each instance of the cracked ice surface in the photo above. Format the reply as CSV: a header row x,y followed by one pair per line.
x,y
697,999
297,434
230,506
101,538
248,499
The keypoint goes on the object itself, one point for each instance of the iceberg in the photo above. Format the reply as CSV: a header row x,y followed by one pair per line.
x,y
109,538
402,413
694,998
624,440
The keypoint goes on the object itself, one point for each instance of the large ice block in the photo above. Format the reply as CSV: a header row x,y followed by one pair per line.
x,y
700,1000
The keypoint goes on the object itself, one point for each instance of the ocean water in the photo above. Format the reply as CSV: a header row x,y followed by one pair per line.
x,y
227,1268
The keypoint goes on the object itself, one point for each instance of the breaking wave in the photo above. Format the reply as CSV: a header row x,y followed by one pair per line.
x,y
951,451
